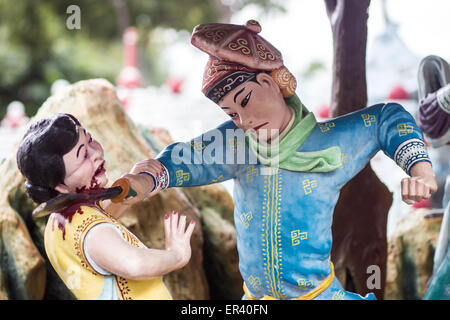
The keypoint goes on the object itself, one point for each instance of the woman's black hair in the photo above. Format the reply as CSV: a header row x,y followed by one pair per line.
x,y
40,154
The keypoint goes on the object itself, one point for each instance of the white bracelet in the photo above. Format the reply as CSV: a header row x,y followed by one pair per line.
x,y
164,179
409,153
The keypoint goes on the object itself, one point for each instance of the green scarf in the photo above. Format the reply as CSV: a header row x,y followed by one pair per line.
x,y
284,154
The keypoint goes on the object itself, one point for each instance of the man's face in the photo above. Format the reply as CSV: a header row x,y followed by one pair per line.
x,y
258,106
84,165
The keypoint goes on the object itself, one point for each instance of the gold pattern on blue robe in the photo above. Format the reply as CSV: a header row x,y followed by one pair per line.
x,y
297,236
198,146
251,173
302,282
339,295
218,179
368,119
181,177
404,129
344,159
245,218
324,127
235,145
255,283
271,234
308,185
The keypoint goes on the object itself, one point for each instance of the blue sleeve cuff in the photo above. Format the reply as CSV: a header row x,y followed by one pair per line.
x,y
409,153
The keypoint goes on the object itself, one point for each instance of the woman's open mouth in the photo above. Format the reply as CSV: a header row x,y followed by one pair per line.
x,y
100,170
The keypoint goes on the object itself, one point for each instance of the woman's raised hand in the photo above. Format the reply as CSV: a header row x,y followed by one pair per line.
x,y
178,237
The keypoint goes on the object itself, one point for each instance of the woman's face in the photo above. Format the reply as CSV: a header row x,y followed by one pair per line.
x,y
258,106
84,165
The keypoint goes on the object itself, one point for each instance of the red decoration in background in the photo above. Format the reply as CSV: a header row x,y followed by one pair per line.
x,y
175,84
399,93
15,115
324,111
422,204
13,121
130,76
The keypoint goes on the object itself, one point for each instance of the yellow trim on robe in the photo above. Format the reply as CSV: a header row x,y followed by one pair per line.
x,y
308,296
66,254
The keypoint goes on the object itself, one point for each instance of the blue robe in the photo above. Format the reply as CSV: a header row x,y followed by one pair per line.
x,y
283,218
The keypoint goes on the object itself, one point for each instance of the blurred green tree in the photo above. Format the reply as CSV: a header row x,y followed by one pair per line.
x,y
37,48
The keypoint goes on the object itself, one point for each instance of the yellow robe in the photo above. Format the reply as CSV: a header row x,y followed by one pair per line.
x,y
64,244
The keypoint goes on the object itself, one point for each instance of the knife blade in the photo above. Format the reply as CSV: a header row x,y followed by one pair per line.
x,y
120,190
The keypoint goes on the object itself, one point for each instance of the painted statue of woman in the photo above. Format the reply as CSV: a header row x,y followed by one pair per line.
x,y
91,251
288,169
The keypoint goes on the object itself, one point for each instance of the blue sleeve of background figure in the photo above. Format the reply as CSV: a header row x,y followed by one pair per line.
x,y
207,159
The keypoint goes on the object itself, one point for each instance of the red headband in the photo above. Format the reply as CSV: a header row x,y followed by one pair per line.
x,y
237,53
221,77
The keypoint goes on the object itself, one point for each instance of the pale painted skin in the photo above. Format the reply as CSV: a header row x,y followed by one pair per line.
x,y
105,246
261,106
81,164
258,106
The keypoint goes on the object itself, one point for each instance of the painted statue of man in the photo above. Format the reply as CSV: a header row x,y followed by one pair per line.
x,y
288,169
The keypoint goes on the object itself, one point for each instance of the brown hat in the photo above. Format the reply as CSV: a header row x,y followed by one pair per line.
x,y
237,53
